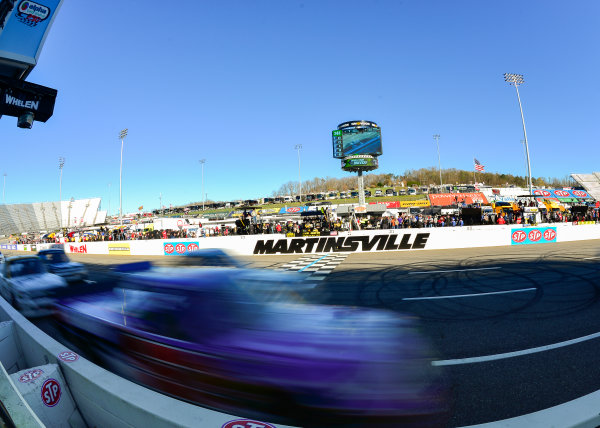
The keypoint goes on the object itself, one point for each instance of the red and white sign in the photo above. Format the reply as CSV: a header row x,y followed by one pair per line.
x,y
180,248
78,249
535,235
519,236
30,375
68,356
293,210
549,234
580,193
388,204
51,392
561,193
542,192
169,248
192,247
246,423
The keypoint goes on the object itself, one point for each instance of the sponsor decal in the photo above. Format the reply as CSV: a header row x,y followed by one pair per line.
x,y
78,249
51,392
542,192
29,105
537,235
4,247
580,194
293,210
31,13
382,242
562,193
179,248
246,423
68,356
119,249
30,375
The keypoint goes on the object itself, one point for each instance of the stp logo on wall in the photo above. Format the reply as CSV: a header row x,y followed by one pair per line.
x,y
537,235
562,193
542,192
246,423
580,193
30,375
68,356
179,248
51,392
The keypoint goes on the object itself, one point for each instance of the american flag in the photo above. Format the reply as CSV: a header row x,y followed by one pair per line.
x,y
478,166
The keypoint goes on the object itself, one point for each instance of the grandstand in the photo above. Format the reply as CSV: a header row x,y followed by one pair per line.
x,y
46,216
590,182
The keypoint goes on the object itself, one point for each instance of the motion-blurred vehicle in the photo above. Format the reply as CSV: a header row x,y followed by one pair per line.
x,y
210,337
28,286
2,258
58,262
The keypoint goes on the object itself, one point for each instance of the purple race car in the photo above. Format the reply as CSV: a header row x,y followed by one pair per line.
x,y
218,338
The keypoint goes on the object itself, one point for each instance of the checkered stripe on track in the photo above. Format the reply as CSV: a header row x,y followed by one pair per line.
x,y
316,265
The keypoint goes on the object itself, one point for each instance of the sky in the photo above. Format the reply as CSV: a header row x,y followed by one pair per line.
x,y
240,83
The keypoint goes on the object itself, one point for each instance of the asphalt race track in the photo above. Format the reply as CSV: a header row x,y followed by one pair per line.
x,y
517,329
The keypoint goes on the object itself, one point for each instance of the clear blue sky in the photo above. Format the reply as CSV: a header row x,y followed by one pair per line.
x,y
239,83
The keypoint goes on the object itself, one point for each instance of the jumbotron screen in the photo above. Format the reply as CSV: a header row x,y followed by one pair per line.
x,y
357,138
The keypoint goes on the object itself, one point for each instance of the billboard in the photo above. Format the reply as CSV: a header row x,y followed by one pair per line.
x,y
356,138
24,25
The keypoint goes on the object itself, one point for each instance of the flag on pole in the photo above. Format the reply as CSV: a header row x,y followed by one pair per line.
x,y
478,166
141,207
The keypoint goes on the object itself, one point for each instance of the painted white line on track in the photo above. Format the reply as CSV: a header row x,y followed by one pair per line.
x,y
454,270
469,295
515,353
591,258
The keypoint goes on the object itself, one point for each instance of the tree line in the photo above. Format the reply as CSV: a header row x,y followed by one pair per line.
x,y
418,177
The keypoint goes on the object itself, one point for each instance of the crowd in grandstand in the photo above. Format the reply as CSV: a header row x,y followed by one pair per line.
x,y
322,222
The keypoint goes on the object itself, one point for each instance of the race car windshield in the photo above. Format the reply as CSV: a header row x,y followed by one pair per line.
x,y
25,267
55,257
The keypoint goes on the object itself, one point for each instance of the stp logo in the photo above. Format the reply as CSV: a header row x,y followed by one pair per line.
x,y
293,209
246,423
542,192
580,193
169,248
561,193
518,236
68,356
51,392
192,247
30,375
180,248
535,235
549,234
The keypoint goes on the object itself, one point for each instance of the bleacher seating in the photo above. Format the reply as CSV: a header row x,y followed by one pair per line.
x,y
590,182
46,216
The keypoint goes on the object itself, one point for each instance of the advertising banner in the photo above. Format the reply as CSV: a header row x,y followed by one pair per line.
x,y
119,249
174,248
447,199
296,210
388,204
24,25
535,235
415,203
560,193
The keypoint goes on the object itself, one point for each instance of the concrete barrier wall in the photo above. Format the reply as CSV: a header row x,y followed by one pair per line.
x,y
105,399
356,241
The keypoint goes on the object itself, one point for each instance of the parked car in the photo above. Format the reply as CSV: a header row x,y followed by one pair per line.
x,y
58,263
378,193
389,192
208,336
28,286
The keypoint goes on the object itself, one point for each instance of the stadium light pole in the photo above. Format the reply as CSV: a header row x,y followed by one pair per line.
x,y
61,164
4,190
122,136
516,80
436,137
298,147
202,162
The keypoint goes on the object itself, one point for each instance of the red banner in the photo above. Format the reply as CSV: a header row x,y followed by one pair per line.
x,y
446,199
388,204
